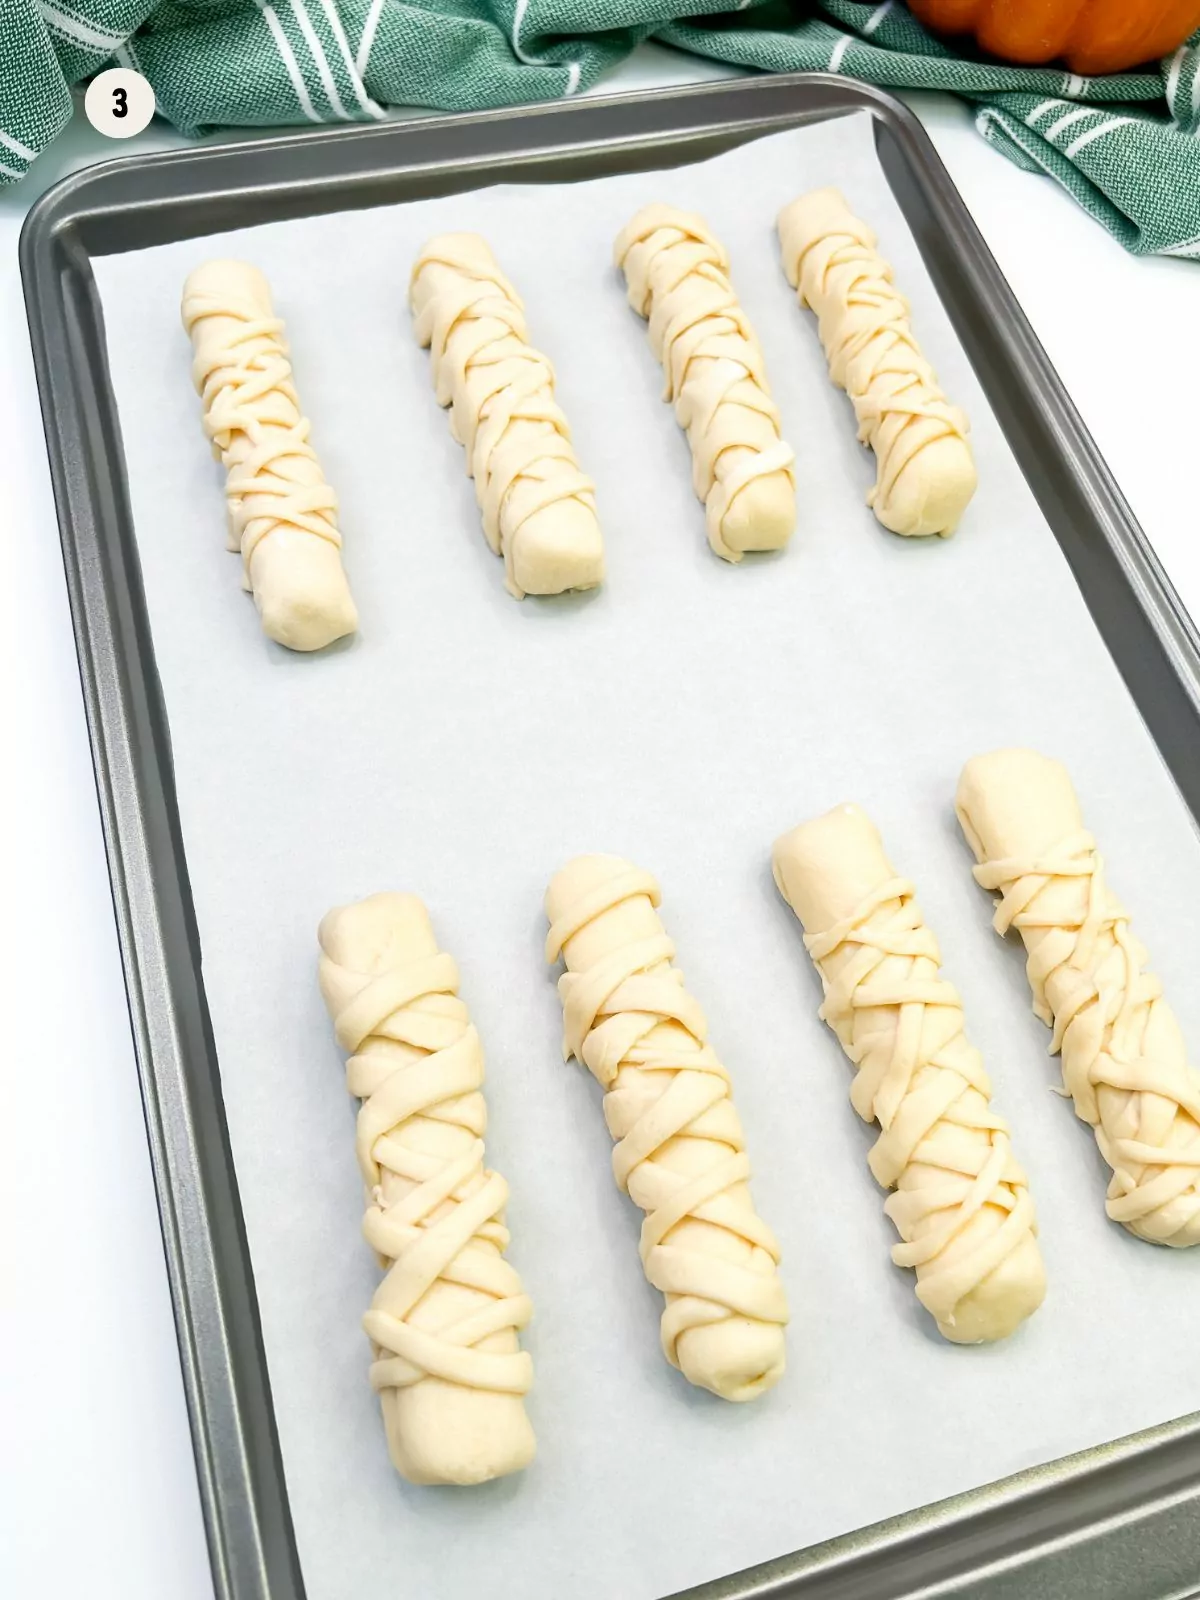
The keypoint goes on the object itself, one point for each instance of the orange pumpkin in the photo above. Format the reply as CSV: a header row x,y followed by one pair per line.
x,y
1089,35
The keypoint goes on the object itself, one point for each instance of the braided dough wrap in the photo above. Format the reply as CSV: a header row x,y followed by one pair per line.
x,y
926,472
678,277
444,1321
1124,1061
961,1205
282,515
539,510
680,1152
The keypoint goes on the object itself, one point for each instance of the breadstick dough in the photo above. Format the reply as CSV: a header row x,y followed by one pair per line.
x,y
961,1203
1124,1060
282,515
444,1321
539,510
680,1151
926,472
678,277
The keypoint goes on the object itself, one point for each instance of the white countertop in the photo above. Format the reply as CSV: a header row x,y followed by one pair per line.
x,y
98,1489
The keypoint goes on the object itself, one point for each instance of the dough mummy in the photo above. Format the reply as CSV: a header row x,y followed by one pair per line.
x,y
282,515
925,469
680,1151
961,1203
539,510
444,1321
1124,1061
678,277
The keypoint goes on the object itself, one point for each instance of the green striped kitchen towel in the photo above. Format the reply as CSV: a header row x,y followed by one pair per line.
x,y
1126,147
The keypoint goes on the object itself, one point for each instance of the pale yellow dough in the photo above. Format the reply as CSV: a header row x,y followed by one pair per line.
x,y
926,472
680,1151
962,1204
539,509
444,1321
282,515
1124,1061
678,277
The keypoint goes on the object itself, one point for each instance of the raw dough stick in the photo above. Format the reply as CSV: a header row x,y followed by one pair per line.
x,y
444,1321
678,277
282,515
961,1204
926,473
1124,1062
539,510
680,1151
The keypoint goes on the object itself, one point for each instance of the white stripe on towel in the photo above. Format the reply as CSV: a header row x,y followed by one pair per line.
x,y
877,16
1040,111
1065,122
368,36
288,58
15,145
1174,73
343,44
81,32
518,19
574,70
304,23
1076,145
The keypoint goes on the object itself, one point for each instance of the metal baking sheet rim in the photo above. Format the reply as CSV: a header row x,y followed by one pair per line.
x,y
1114,1523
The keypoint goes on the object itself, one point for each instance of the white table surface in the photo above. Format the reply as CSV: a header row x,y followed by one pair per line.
x,y
98,1493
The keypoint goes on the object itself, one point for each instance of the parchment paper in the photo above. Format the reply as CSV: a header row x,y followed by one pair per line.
x,y
465,745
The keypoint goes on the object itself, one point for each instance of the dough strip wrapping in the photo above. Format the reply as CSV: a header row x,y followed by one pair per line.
x,y
1124,1060
539,508
282,515
677,274
926,472
680,1152
445,1319
961,1202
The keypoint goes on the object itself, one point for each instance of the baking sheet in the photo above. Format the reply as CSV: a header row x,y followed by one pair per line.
x,y
465,745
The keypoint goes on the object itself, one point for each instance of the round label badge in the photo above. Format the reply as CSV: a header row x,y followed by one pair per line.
x,y
119,103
